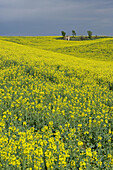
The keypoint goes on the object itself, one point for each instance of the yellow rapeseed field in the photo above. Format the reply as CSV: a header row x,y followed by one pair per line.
x,y
56,104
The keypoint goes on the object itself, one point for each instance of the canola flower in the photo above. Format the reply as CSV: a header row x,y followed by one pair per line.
x,y
56,104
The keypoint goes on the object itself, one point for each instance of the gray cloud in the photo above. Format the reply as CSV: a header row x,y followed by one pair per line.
x,y
32,9
95,15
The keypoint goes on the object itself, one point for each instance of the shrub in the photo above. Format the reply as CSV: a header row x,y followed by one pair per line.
x,y
81,37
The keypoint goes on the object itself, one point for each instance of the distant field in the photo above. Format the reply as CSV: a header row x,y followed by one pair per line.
x,y
56,103
99,49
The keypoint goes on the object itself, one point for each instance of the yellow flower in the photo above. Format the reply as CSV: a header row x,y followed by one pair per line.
x,y
73,163
79,125
99,144
99,138
51,123
4,116
99,163
80,143
88,152
86,132
24,123
109,156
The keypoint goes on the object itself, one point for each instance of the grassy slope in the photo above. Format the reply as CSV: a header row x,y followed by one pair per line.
x,y
100,49
45,82
69,54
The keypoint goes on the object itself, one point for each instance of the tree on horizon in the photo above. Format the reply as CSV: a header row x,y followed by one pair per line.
x,y
63,33
73,33
89,34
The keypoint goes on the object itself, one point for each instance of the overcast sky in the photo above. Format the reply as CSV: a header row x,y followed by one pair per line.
x,y
50,17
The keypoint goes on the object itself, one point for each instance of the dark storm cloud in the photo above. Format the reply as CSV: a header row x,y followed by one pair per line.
x,y
32,15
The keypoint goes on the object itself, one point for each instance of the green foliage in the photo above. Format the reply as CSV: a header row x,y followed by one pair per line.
x,y
81,37
89,34
63,33
73,33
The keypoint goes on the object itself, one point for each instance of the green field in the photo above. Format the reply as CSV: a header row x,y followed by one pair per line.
x,y
56,103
